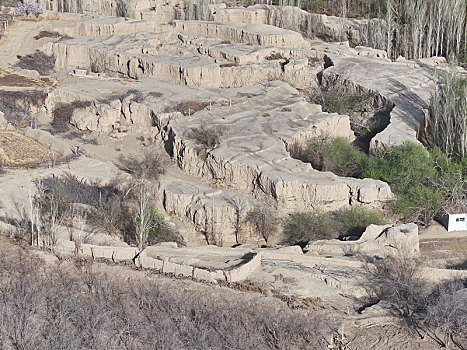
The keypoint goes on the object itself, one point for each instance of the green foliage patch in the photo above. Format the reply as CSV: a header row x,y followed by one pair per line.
x,y
427,183
301,228
337,155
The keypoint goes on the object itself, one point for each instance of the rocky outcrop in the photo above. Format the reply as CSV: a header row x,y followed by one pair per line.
x,y
119,115
245,33
377,240
216,214
169,57
406,84
109,25
253,153
311,25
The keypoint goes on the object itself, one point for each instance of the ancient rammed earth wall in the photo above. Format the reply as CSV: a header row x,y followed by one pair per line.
x,y
118,254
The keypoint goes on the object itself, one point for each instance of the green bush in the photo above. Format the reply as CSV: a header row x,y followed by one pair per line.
x,y
337,155
208,137
301,228
344,103
354,221
425,181
161,232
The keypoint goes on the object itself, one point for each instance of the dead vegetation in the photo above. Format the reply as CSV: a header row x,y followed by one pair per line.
x,y
17,105
16,80
275,56
19,150
48,34
437,311
84,309
207,137
187,107
150,165
246,94
229,64
37,61
63,113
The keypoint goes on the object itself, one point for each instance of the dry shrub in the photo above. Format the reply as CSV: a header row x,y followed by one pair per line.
x,y
264,219
397,280
439,311
135,96
187,107
208,137
445,314
275,56
16,105
229,64
149,165
76,190
47,34
246,94
80,309
63,112
37,61
16,80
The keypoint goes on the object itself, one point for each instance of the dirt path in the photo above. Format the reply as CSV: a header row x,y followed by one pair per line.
x,y
17,41
19,37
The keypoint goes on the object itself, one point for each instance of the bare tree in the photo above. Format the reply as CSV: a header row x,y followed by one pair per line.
x,y
444,313
145,212
240,205
48,211
448,114
264,219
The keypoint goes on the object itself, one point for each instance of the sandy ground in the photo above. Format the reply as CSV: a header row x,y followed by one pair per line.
x,y
19,36
438,231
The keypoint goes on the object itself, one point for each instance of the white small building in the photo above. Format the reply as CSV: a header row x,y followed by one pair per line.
x,y
456,222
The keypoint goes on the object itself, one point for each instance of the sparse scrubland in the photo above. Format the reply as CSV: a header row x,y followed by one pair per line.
x,y
438,311
301,228
124,209
248,182
74,307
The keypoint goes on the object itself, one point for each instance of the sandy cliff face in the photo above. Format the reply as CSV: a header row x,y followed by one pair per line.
x,y
259,72
253,157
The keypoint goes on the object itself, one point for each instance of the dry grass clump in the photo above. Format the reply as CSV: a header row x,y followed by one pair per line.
x,y
37,61
275,56
17,105
48,34
16,80
187,107
63,112
229,64
246,94
22,151
149,165
76,308
135,96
